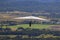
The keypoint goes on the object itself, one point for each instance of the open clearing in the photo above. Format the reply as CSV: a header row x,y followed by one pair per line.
x,y
35,26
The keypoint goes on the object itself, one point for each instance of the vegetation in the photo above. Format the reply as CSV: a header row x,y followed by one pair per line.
x,y
30,34
35,26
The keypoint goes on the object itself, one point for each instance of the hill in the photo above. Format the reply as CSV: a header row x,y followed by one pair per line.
x,y
49,8
30,5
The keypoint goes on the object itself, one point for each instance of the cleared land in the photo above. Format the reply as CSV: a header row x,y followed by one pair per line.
x,y
35,26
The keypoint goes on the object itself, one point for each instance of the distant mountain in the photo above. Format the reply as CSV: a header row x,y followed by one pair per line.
x,y
30,5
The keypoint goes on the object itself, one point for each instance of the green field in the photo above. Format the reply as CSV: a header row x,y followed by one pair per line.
x,y
35,26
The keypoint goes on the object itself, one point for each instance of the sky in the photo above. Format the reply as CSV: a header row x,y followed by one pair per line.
x,y
33,0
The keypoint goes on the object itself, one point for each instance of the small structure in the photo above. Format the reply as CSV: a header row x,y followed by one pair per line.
x,y
31,18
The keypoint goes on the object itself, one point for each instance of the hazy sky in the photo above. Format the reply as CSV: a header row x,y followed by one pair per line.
x,y
34,0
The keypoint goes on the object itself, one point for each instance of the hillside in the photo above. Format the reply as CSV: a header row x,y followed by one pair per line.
x,y
49,8
30,5
13,14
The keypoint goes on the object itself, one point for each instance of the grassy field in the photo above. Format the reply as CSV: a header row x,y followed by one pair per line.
x,y
35,26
